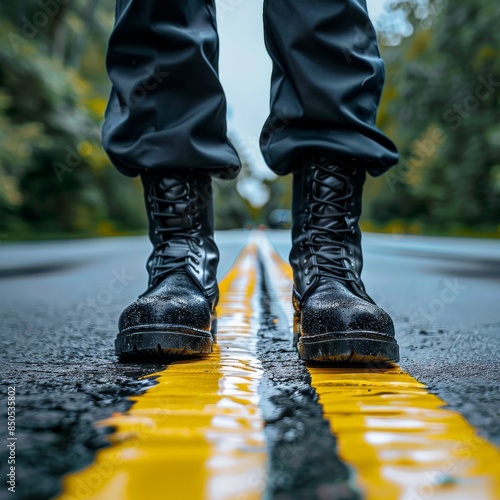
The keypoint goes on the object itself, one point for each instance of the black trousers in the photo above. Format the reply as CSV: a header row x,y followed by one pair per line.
x,y
167,109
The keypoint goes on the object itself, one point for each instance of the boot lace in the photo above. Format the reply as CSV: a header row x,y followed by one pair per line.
x,y
328,224
175,204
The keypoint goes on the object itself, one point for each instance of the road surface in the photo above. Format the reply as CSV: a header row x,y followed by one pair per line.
x,y
59,306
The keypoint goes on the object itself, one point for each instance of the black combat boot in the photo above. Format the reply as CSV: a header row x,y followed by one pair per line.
x,y
176,314
335,319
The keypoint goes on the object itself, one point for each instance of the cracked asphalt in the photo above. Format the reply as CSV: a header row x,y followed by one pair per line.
x,y
60,302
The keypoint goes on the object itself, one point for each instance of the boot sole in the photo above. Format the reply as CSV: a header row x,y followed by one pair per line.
x,y
348,347
160,341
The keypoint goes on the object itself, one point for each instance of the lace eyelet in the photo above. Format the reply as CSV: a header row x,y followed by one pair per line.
x,y
306,271
305,260
308,282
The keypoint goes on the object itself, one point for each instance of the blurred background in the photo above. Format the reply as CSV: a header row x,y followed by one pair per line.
x,y
440,105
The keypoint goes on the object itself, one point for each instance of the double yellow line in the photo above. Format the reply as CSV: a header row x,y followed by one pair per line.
x,y
198,433
400,440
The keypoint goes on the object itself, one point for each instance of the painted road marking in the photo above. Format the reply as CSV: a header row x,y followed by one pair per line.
x,y
399,438
198,433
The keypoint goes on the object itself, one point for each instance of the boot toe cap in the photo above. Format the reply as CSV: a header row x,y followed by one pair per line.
x,y
320,315
168,306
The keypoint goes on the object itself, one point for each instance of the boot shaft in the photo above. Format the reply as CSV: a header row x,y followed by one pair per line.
x,y
326,207
181,228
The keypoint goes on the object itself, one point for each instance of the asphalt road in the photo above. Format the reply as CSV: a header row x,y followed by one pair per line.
x,y
60,302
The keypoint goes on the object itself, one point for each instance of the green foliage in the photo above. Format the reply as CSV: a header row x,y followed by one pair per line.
x,y
441,105
55,180
54,176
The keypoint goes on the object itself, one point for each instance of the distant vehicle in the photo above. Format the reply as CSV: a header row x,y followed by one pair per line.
x,y
280,218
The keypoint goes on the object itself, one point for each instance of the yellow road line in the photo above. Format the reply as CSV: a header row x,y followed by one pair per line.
x,y
399,438
198,433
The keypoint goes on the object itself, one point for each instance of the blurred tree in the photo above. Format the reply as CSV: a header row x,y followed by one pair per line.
x,y
54,177
441,105
231,210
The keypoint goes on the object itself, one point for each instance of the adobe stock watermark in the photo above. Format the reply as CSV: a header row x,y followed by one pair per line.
x,y
449,294
153,77
74,158
11,438
31,27
102,471
277,121
456,114
426,148
105,296
421,152
435,479
86,485
225,7
363,39
248,149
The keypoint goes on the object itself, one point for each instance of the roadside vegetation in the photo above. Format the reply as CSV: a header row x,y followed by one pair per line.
x,y
440,105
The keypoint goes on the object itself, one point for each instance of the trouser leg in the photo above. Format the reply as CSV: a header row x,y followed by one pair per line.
x,y
326,84
167,110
